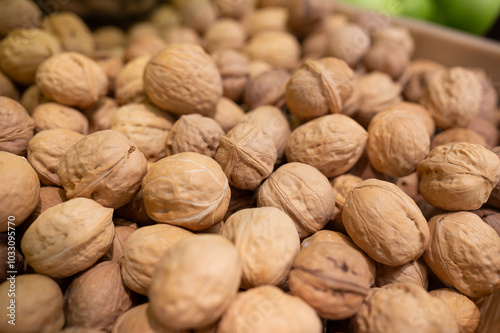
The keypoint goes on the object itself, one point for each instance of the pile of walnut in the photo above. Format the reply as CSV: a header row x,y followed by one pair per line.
x,y
229,166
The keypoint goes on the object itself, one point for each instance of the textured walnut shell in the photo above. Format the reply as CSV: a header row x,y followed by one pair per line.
x,y
83,308
348,42
395,35
197,14
304,16
465,311
69,237
16,14
140,319
415,77
342,185
183,79
486,129
100,114
71,31
38,300
458,176
278,48
19,190
403,307
187,189
7,88
23,51
419,111
72,79
490,217
129,87
302,192
233,68
228,114
390,59
52,115
144,46
264,262
413,272
459,268
46,149
194,133
267,88
17,127
457,134
397,142
183,298
224,34
283,313
142,251
105,166
490,96
247,154
332,278
146,126
319,87
267,19
332,144
393,233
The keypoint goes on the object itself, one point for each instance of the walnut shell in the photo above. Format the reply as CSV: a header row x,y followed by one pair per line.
x,y
16,14
278,48
225,34
393,233
139,319
267,88
342,185
135,210
395,35
228,114
332,144
7,88
111,63
478,246
489,308
238,9
415,77
38,300
304,16
109,37
183,79
52,115
144,46
302,192
129,87
283,313
389,59
32,97
143,250
17,127
267,19
72,79
457,134
197,14
419,111
233,68
490,217
486,129
181,35
83,308
458,176
465,311
348,42
122,233
101,113
414,272
187,189
183,298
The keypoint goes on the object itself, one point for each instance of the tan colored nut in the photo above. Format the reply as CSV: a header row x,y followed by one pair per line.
x,y
22,51
141,29
165,16
489,308
183,79
348,42
17,14
17,127
414,272
144,46
302,192
146,126
197,14
267,19
71,31
7,88
46,149
332,144
465,311
459,268
486,129
385,222
314,46
490,96
490,217
403,307
83,308
269,309
140,319
143,251
187,189
307,15
395,35
257,67
130,82
237,9
228,114
109,37
457,134
111,63
38,300
415,76
419,111
453,97
265,262
19,190
267,88
72,79
194,133
397,142
225,34
233,68
52,115
332,278
390,59
458,176
122,233
32,97
183,298
100,114
342,185
247,155
319,87
278,48
181,35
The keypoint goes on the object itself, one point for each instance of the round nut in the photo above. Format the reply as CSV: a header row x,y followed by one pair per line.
x,y
419,111
267,19
457,134
16,14
233,68
342,185
412,272
101,113
348,42
139,319
266,88
305,16
415,77
17,126
225,34
228,114
52,115
129,86
144,46
278,48
7,88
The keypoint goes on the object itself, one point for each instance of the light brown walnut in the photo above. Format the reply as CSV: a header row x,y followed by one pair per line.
x,y
17,14
53,115
129,87
17,127
278,48
413,272
228,114
233,68
465,311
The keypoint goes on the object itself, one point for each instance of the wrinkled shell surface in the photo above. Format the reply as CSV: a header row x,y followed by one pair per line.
x,y
100,114
304,16
52,115
348,42
415,76
17,126
129,86
228,114
266,88
457,134
419,111
413,272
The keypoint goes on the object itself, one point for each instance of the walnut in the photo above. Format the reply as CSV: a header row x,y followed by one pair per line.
x,y
71,31
392,234
233,68
183,79
32,97
257,67
267,88
228,114
302,192
247,155
332,144
17,127
278,48
403,307
181,35
109,37
490,217
304,16
19,190
142,46
139,319
72,79
486,129
464,230
17,14
7,88
391,59
414,272
135,210
282,313
38,299
457,134
237,9
395,35
419,111
165,16
458,176
101,113
489,308
342,185
267,19
51,245
224,34
83,308
187,189
319,87
409,185
348,42
465,311
314,46
104,166
142,251
22,51
129,86
122,233
111,63
194,133
140,29
263,262
52,115
183,298
415,77
197,14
